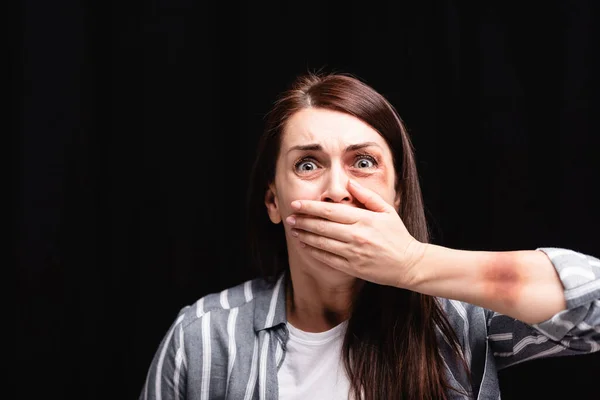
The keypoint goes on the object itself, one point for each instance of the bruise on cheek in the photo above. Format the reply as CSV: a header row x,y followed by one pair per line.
x,y
502,281
379,176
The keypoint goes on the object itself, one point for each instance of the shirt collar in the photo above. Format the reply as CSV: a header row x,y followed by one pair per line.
x,y
269,305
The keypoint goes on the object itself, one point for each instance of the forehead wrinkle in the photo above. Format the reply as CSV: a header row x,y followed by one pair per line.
x,y
332,130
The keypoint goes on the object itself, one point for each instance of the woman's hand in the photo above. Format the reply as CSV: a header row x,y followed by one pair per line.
x,y
371,244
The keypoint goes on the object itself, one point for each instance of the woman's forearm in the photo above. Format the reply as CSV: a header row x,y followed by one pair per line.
x,y
521,284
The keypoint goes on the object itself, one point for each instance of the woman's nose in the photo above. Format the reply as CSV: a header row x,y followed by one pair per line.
x,y
336,188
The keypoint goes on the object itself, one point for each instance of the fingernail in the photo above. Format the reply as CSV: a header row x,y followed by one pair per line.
x,y
296,204
290,220
294,233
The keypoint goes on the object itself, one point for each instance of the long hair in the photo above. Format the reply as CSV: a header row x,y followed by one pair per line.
x,y
390,349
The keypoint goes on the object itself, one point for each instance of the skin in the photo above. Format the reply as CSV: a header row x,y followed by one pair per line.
x,y
339,206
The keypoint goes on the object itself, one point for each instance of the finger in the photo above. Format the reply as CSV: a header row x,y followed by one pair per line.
x,y
369,198
336,212
332,260
321,242
322,227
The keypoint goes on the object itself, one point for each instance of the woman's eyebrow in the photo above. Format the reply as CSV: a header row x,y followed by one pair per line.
x,y
306,147
318,147
358,146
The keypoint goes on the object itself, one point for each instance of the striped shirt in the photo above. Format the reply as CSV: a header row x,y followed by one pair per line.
x,y
229,345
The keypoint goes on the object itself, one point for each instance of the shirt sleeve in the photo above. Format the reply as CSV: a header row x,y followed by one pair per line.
x,y
166,378
573,331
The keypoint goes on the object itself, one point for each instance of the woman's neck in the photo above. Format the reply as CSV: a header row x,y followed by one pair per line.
x,y
319,297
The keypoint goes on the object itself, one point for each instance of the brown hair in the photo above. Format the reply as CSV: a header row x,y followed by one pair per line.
x,y
390,349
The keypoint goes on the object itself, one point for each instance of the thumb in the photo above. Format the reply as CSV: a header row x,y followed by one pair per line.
x,y
369,198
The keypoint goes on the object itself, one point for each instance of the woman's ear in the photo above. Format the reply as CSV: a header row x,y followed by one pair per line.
x,y
272,204
397,201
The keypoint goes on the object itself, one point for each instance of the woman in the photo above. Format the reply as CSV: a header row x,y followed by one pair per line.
x,y
354,302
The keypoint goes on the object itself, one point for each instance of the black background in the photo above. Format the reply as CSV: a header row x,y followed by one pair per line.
x,y
137,125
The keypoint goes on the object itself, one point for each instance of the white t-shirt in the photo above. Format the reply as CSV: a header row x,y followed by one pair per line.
x,y
313,367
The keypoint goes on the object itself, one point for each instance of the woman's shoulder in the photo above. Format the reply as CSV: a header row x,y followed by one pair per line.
x,y
217,307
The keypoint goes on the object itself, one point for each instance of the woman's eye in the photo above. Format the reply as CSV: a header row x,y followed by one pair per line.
x,y
306,166
364,162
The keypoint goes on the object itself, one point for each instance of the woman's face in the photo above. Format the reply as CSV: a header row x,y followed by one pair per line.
x,y
321,150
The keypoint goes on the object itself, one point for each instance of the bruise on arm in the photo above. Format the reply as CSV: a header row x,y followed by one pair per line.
x,y
503,281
